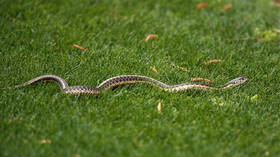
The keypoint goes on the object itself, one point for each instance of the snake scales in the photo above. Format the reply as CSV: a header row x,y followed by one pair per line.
x,y
129,79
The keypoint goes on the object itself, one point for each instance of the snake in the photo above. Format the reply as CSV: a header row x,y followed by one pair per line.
x,y
129,79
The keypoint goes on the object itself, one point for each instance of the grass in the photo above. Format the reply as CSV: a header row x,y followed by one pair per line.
x,y
37,37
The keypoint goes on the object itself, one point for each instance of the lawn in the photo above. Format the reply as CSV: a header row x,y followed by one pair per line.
x,y
37,38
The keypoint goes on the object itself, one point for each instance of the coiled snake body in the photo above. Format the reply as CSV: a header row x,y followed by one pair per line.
x,y
129,79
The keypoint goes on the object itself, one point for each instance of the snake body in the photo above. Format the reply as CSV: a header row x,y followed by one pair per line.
x,y
129,79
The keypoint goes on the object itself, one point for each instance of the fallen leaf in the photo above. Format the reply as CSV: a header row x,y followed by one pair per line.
x,y
201,5
211,61
77,155
151,36
181,68
154,69
80,47
227,7
15,119
201,79
45,141
278,31
159,107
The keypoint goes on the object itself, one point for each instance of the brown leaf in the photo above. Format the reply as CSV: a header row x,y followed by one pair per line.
x,y
154,69
227,7
181,68
151,36
201,80
45,141
278,31
211,61
15,119
80,47
201,5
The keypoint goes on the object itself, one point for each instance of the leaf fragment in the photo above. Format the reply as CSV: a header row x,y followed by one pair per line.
x,y
212,61
80,47
154,69
15,119
159,107
45,141
151,36
181,68
227,7
201,80
201,5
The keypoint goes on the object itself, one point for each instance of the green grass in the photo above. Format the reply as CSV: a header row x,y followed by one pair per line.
x,y
37,37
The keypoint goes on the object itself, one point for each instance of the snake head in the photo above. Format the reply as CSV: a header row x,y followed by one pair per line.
x,y
238,81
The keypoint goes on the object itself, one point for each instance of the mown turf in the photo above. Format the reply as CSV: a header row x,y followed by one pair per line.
x,y
37,37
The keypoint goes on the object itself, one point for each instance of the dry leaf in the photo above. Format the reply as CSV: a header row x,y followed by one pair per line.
x,y
150,36
201,5
181,68
278,31
15,119
80,47
77,155
201,80
211,61
227,7
154,69
159,107
44,141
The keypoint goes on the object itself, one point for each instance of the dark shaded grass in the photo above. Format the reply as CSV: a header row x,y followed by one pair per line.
x,y
36,38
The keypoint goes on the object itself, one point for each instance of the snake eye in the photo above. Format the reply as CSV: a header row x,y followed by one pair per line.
x,y
244,78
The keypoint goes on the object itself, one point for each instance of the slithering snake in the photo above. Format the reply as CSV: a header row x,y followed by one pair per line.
x,y
129,79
